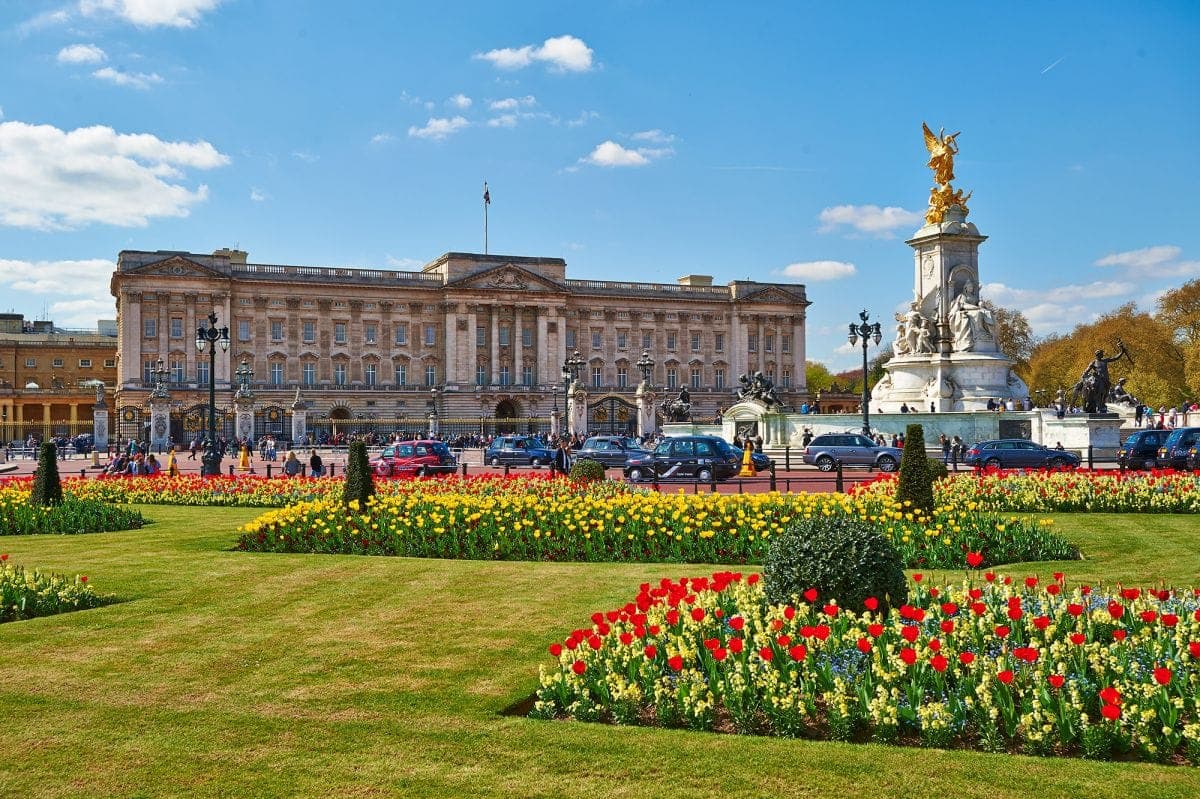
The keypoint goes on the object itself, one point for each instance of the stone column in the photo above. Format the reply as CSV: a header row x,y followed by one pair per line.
x,y
645,410
494,370
577,409
541,364
451,344
517,346
299,422
160,422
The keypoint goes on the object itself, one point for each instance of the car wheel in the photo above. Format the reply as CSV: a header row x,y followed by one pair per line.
x,y
635,475
535,462
704,475
992,463
1058,463
825,463
886,464
495,461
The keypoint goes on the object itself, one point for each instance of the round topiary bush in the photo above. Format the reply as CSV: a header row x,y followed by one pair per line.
x,y
936,470
587,470
844,559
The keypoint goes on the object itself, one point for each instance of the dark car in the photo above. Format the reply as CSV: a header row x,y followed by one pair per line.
x,y
1018,453
1141,449
701,458
610,450
410,458
517,451
851,449
1174,451
1193,459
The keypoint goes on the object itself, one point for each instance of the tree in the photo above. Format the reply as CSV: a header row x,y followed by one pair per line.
x,y
1180,310
875,370
1155,374
1014,337
47,489
916,483
818,377
359,483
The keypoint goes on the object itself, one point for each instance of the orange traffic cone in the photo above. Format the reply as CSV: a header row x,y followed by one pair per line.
x,y
747,462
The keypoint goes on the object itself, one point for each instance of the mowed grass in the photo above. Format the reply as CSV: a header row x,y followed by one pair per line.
x,y
227,674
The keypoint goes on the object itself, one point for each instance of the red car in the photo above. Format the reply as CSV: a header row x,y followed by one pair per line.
x,y
410,458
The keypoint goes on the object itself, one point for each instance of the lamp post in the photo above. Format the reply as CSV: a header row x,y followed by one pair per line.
x,y
646,365
244,373
570,374
210,337
160,379
866,331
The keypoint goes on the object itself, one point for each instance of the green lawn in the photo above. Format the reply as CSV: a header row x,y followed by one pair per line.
x,y
242,675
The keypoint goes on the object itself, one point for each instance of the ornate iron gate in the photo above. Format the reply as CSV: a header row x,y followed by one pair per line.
x,y
272,421
612,416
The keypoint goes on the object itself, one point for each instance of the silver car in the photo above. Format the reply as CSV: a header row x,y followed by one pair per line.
x,y
852,450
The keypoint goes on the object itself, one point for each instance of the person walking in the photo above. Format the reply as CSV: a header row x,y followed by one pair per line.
x,y
316,468
562,458
945,442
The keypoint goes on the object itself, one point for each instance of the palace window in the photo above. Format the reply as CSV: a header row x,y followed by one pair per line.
x,y
202,373
647,340
597,339
785,342
309,373
769,342
370,372
504,336
787,378
752,342
695,342
672,340
30,363
176,327
150,328
527,337
339,374
430,336
597,376
695,377
672,378
369,333
176,371
57,363
431,375
570,338
243,329
147,371
480,336
719,342
527,375
504,375
310,331
339,332
718,378
276,373
276,330
622,339
622,377
401,374
110,363
401,335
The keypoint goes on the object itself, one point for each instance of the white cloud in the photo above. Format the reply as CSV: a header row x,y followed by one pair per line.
x,y
1158,261
503,121
561,54
870,219
1057,308
404,263
151,13
82,314
583,118
382,138
460,100
818,270
136,80
609,153
81,54
655,136
438,128
56,179
258,195
513,103
305,156
87,280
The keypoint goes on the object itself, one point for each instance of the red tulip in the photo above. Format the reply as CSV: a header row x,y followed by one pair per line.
x,y
947,626
1053,589
1119,635
798,652
672,617
966,658
990,576
1162,676
908,655
711,643
1058,577
767,654
1041,622
697,614
579,667
1075,609
1002,631
918,577
1030,582
909,632
789,613
1005,676
978,608
871,603
830,610
1015,614
1077,639
1056,681
974,559
595,643
1110,695
1026,653
650,652
83,578
783,640
1111,712
1194,648
938,662
735,645
949,608
737,623
1116,609
719,653
876,630
811,595
1169,619
864,645
675,662
1148,616
935,644
626,638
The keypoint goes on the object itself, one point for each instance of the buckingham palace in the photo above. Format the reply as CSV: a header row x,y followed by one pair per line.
x,y
473,339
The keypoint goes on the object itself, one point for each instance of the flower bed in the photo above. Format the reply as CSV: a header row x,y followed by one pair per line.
x,y
18,516
1013,491
562,521
998,665
28,594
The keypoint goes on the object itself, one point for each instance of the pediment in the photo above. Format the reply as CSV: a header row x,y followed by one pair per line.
x,y
507,277
176,266
773,295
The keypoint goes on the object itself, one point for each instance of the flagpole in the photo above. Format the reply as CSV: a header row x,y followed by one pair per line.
x,y
485,218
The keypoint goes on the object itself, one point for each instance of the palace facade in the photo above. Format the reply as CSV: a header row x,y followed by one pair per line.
x,y
468,337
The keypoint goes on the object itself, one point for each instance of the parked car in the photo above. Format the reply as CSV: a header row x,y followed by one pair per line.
x,y
1018,453
852,449
410,458
610,450
1174,451
701,458
1193,459
1140,450
517,451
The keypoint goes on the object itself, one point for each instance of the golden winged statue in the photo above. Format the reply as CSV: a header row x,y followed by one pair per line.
x,y
942,149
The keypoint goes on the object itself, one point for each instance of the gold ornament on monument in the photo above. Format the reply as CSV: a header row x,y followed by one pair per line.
x,y
942,197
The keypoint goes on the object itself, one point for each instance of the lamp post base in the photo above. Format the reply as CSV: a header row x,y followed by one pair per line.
x,y
210,463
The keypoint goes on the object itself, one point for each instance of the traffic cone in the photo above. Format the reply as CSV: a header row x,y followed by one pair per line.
x,y
747,463
244,460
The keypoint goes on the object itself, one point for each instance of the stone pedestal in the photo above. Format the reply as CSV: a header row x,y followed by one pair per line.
x,y
100,427
963,381
160,423
1102,431
433,425
243,420
299,425
555,423
646,425
577,409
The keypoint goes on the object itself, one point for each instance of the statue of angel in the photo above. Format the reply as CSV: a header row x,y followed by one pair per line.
x,y
942,149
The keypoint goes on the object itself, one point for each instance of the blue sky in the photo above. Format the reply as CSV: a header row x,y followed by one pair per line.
x,y
638,140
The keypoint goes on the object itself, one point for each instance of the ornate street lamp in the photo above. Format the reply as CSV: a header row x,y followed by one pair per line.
x,y
244,373
646,365
571,367
211,337
867,332
160,379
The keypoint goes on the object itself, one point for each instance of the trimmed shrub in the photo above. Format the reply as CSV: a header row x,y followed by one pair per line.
x,y
915,484
587,470
843,558
937,470
360,485
47,489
